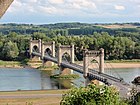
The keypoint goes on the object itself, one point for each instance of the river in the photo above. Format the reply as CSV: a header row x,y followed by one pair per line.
x,y
12,79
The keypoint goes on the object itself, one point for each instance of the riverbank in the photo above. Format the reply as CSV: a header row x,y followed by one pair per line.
x,y
43,97
121,64
116,65
10,64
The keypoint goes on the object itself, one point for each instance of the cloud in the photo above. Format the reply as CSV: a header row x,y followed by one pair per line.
x,y
49,10
16,4
74,9
119,7
56,1
28,1
81,4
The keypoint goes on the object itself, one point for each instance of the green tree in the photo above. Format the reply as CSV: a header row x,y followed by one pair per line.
x,y
38,35
92,95
1,46
22,43
10,50
12,36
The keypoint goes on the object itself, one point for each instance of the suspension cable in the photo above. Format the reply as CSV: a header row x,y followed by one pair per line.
x,y
75,57
108,69
65,59
117,74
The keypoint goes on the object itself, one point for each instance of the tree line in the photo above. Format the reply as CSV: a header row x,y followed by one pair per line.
x,y
13,45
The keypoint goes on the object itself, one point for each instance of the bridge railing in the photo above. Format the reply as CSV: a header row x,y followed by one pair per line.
x,y
106,76
79,68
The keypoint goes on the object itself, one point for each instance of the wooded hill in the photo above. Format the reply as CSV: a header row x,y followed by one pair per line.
x,y
120,41
70,28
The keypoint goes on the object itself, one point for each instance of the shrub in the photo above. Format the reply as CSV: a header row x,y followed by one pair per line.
x,y
92,95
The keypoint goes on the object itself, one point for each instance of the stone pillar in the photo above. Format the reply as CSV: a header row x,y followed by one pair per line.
x,y
85,67
87,81
30,49
42,51
53,48
64,71
101,61
59,55
39,45
72,53
85,63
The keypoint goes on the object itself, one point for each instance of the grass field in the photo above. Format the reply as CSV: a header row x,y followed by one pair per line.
x,y
31,97
117,26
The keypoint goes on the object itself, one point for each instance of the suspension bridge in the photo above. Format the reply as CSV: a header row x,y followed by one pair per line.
x,y
46,52
38,49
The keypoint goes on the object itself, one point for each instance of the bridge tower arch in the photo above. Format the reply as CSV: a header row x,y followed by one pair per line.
x,y
48,46
35,44
62,49
88,56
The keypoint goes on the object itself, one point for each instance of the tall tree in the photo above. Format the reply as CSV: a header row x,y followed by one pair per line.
x,y
10,50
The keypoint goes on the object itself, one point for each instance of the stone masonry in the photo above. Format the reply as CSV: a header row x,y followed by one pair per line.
x,y
4,5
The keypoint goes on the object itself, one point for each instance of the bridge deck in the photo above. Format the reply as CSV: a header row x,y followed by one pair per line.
x,y
122,86
92,73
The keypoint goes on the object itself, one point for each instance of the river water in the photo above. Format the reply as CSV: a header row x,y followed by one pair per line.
x,y
12,79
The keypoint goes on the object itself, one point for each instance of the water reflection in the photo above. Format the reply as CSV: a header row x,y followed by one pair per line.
x,y
128,74
19,79
32,79
53,83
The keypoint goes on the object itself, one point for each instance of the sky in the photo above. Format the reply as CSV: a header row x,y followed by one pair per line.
x,y
84,11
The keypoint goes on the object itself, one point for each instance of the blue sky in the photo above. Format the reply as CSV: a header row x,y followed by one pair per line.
x,y
85,11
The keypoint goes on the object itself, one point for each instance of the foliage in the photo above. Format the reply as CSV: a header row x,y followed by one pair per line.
x,y
37,35
92,95
118,43
70,76
10,50
9,63
136,81
54,67
136,99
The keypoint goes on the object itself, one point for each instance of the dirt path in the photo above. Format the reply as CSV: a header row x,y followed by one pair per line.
x,y
30,96
47,97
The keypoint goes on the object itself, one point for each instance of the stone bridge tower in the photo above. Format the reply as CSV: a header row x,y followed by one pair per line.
x,y
35,45
42,48
62,49
4,5
47,48
88,56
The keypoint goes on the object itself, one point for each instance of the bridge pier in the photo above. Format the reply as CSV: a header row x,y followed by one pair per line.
x,y
62,49
35,45
88,81
42,48
47,63
89,56
101,61
49,48
35,58
65,71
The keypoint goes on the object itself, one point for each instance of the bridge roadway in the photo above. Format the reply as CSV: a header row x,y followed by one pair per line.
x,y
92,73
121,85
